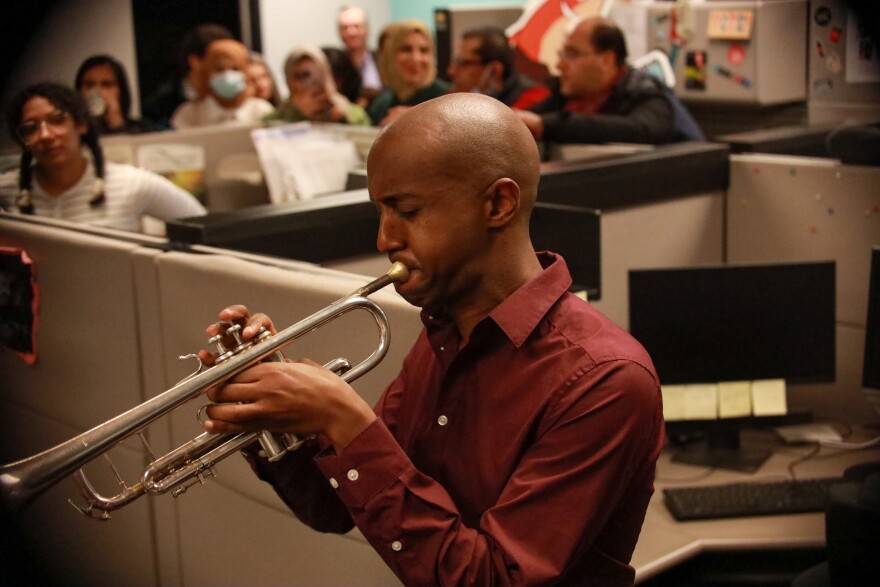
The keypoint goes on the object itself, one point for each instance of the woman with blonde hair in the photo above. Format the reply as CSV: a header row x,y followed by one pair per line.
x,y
313,92
408,70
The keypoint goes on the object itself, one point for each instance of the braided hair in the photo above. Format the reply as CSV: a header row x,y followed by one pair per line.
x,y
69,101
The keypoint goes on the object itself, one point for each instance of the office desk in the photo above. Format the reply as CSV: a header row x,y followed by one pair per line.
x,y
665,543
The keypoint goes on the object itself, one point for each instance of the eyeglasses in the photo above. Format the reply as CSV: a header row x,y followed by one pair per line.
x,y
29,132
463,62
570,53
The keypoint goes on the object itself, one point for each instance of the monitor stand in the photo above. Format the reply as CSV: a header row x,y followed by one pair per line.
x,y
723,450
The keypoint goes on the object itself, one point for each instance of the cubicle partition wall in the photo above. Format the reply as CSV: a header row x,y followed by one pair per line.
x,y
661,207
782,209
115,313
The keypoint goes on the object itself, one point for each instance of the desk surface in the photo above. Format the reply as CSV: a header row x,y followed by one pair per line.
x,y
665,543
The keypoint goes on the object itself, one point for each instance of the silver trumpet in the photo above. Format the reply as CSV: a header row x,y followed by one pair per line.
x,y
24,480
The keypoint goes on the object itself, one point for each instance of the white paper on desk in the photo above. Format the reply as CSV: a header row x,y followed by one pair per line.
x,y
734,399
300,161
701,401
673,402
768,397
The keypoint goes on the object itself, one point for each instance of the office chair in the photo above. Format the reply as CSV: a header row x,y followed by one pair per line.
x,y
852,533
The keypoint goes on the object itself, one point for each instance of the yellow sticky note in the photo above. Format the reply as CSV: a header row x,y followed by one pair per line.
x,y
768,397
701,401
734,399
673,402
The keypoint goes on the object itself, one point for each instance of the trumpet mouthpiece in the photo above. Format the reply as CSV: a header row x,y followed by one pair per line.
x,y
398,273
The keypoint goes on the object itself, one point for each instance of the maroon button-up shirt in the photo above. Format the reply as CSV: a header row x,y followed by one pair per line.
x,y
524,458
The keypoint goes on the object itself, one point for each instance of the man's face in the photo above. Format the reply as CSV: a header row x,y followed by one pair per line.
x,y
353,29
467,69
584,73
430,220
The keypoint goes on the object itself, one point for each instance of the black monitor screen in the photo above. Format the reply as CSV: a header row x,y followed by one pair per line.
x,y
871,371
737,322
574,233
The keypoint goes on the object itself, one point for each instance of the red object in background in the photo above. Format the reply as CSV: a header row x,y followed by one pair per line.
x,y
834,34
528,32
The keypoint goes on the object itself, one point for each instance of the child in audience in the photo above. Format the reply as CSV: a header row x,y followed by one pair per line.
x,y
59,179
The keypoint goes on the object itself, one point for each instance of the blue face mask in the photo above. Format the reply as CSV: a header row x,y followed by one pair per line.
x,y
228,84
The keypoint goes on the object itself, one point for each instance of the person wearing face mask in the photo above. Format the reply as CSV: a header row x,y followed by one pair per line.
x,y
102,81
406,63
484,63
224,94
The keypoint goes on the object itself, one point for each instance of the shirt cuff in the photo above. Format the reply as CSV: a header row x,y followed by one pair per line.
x,y
370,463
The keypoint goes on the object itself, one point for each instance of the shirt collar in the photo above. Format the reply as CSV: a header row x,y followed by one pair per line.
x,y
521,312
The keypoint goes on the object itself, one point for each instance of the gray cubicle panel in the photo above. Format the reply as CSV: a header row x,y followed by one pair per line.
x,y
256,540
805,209
661,207
232,175
88,369
115,314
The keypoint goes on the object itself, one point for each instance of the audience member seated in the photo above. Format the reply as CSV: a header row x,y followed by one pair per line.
x,y
264,84
58,179
222,89
180,86
601,99
855,144
353,30
406,62
345,74
102,81
313,93
484,62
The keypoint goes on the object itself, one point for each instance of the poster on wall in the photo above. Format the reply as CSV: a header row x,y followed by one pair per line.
x,y
862,61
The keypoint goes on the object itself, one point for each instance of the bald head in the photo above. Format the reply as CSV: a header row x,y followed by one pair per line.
x,y
470,137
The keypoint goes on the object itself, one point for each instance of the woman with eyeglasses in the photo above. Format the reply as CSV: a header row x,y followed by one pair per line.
x,y
406,64
313,92
59,178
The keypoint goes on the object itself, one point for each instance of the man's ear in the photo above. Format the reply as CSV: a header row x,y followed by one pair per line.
x,y
502,202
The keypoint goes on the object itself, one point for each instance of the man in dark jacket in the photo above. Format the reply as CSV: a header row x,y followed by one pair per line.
x,y
599,98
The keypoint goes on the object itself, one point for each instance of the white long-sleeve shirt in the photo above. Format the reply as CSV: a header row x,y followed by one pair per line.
x,y
130,193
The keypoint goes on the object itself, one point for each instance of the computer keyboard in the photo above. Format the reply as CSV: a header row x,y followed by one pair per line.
x,y
731,500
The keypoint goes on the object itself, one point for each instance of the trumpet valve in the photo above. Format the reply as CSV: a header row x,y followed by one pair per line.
x,y
220,350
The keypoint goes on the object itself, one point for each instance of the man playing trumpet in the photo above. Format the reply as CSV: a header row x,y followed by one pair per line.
x,y
518,443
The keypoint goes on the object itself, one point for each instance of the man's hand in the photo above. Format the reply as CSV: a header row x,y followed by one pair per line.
x,y
533,121
300,397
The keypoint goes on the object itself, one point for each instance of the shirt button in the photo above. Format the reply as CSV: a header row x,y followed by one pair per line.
x,y
443,348
443,420
352,475
396,546
334,483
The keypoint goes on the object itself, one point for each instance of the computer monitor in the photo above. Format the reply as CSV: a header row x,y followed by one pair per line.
x,y
735,323
871,369
575,233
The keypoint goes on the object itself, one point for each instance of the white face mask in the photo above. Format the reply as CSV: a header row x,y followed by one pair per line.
x,y
228,84
96,103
